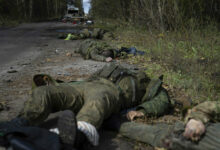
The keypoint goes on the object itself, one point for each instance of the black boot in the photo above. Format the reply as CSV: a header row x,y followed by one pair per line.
x,y
67,127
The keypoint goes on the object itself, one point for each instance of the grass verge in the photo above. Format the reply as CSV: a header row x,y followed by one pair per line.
x,y
188,59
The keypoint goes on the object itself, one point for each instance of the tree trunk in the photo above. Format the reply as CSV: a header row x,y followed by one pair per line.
x,y
48,11
30,9
160,15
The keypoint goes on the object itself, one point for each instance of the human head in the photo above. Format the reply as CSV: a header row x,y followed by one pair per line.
x,y
43,80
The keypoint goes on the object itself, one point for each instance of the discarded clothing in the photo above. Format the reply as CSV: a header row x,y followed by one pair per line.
x,y
131,50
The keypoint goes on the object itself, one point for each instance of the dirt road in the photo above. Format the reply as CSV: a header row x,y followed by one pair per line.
x,y
25,42
34,48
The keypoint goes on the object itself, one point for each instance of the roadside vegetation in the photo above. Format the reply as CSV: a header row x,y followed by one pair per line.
x,y
181,41
189,60
15,12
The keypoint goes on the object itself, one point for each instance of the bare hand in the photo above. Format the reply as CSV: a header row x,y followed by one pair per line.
x,y
131,115
108,59
194,129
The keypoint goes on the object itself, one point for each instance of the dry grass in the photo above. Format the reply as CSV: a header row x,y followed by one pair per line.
x,y
190,60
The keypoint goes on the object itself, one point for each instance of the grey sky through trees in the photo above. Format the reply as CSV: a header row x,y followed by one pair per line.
x,y
86,6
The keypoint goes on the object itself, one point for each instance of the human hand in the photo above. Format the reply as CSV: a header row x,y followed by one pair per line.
x,y
131,115
194,129
108,59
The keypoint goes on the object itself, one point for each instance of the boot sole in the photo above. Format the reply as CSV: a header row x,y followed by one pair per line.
x,y
67,127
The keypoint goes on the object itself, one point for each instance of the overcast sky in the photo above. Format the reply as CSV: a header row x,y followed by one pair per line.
x,y
86,6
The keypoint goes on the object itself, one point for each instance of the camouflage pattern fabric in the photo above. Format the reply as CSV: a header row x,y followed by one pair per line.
x,y
83,48
150,134
108,36
92,101
75,37
157,106
48,99
205,112
152,89
114,72
154,134
101,99
97,33
84,34
131,84
158,103
209,141
157,133
92,49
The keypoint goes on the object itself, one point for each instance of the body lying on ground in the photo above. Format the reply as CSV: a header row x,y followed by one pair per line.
x,y
199,131
97,50
102,51
108,91
96,33
115,88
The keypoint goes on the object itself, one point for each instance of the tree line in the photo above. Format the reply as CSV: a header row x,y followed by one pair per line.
x,y
163,14
34,10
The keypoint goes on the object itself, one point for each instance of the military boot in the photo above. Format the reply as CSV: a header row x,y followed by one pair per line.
x,y
67,128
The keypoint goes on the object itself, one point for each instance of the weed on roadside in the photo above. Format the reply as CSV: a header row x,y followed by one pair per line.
x,y
189,60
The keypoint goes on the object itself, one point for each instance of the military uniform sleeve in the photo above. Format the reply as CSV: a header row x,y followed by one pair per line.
x,y
95,56
157,106
205,112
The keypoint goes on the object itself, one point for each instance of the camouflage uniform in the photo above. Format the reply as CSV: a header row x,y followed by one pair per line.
x,y
155,134
208,111
85,33
97,33
108,91
92,49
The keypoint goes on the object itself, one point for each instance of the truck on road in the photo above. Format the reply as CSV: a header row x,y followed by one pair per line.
x,y
72,14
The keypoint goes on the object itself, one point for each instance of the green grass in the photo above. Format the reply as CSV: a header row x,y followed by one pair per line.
x,y
188,59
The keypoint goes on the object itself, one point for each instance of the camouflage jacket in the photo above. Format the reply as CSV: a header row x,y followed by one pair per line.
x,y
92,49
137,90
208,111
131,89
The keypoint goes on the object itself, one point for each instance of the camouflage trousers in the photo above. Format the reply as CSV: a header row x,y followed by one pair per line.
x,y
155,134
